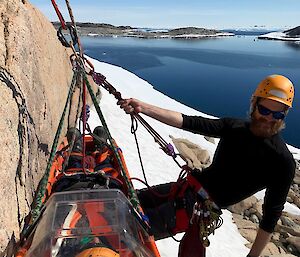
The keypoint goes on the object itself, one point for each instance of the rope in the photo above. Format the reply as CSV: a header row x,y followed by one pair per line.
x,y
131,192
69,147
134,126
84,124
166,147
151,189
72,28
75,27
100,80
37,204
77,108
158,138
60,17
80,62
71,13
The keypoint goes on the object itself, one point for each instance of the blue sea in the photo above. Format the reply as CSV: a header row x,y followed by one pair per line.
x,y
215,76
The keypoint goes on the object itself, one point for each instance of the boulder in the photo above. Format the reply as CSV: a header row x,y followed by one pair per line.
x,y
285,229
286,221
258,207
276,237
280,255
295,241
248,234
294,196
271,249
284,240
293,217
297,177
243,223
240,207
254,218
246,228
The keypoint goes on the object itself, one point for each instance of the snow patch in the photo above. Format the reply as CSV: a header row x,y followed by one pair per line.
x,y
279,36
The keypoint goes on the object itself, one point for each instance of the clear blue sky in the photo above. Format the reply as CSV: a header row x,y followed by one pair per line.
x,y
169,14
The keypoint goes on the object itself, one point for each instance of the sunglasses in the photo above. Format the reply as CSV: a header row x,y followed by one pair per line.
x,y
265,111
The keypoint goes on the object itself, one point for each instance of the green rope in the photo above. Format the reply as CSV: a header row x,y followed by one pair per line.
x,y
38,204
132,194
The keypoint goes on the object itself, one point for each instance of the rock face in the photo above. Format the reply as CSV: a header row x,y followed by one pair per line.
x,y
35,75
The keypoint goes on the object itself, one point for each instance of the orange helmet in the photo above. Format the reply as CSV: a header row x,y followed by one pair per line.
x,y
98,252
277,88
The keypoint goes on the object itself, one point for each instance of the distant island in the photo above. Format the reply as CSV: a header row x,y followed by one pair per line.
x,y
104,30
287,35
108,30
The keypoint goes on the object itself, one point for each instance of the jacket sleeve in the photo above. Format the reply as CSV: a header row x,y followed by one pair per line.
x,y
275,197
205,126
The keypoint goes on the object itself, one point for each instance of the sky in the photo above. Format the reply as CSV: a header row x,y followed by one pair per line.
x,y
219,14
159,167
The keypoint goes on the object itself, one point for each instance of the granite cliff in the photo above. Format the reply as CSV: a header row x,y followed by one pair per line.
x,y
35,74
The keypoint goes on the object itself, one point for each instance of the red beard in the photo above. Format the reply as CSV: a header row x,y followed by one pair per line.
x,y
262,127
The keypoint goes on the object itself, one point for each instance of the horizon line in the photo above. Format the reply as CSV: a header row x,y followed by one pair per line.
x,y
262,27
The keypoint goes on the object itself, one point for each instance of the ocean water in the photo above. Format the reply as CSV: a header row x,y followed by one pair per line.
x,y
215,76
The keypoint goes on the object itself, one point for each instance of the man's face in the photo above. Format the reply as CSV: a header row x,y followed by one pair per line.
x,y
266,125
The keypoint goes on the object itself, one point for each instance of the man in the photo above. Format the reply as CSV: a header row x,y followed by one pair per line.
x,y
250,156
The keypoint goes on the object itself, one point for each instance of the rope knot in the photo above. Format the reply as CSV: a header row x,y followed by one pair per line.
x,y
98,78
169,150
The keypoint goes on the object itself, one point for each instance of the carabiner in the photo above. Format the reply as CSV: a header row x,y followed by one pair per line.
x,y
73,35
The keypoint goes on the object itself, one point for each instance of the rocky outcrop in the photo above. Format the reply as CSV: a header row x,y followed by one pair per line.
x,y
86,28
286,238
193,30
108,30
35,74
294,32
290,35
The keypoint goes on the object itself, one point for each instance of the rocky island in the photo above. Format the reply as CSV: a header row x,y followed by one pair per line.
x,y
108,30
287,35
